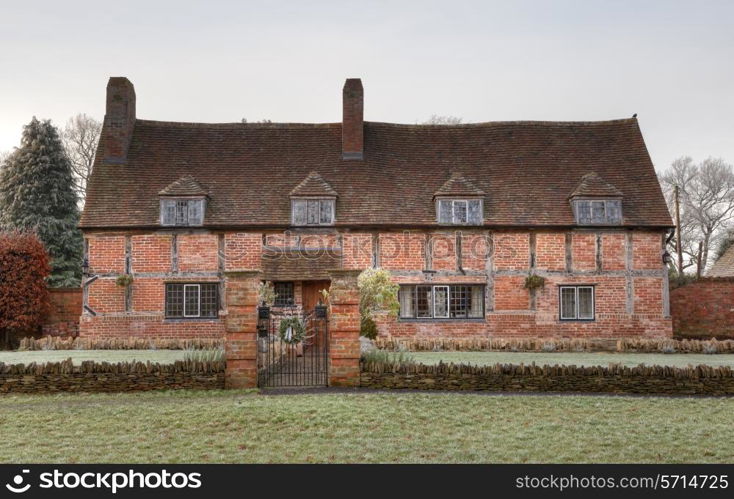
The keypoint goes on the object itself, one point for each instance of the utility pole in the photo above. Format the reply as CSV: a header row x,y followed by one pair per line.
x,y
678,236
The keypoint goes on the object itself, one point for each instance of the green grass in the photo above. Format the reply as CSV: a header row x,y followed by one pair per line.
x,y
577,358
77,356
233,426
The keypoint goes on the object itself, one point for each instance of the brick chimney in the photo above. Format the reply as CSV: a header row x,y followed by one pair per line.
x,y
119,119
353,119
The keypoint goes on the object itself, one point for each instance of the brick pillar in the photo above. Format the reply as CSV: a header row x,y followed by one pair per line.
x,y
344,328
241,329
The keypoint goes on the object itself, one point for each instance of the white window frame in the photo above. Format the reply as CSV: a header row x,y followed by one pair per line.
x,y
320,200
576,316
198,300
453,211
446,305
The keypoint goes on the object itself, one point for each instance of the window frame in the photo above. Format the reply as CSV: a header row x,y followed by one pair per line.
x,y
605,201
466,202
576,288
431,302
292,294
198,300
320,200
446,300
187,316
175,200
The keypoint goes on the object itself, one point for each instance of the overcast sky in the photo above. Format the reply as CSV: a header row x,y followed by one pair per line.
x,y
216,61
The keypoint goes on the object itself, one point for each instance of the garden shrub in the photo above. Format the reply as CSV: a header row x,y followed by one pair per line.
x,y
24,296
377,294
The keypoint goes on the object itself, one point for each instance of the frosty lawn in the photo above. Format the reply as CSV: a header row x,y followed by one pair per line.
x,y
233,426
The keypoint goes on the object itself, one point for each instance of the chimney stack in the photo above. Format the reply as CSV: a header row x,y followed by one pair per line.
x,y
119,119
353,119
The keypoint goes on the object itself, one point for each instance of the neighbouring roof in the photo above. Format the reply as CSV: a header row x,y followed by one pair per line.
x,y
314,185
525,169
457,185
593,185
724,266
185,186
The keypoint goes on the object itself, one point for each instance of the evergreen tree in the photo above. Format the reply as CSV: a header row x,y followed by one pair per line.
x,y
37,194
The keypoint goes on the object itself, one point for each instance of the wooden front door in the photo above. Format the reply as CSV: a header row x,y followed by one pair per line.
x,y
312,293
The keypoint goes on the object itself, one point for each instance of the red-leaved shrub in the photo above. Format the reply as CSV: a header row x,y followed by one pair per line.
x,y
24,297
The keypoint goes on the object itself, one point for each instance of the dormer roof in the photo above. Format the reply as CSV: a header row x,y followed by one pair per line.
x,y
592,185
184,186
313,185
458,185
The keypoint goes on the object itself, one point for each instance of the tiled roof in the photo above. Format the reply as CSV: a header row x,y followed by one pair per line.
x,y
185,186
724,266
457,185
526,169
314,185
299,264
592,184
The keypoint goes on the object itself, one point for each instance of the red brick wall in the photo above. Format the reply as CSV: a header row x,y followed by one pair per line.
x,y
550,251
402,250
583,250
106,297
648,292
63,316
148,294
511,310
509,293
704,308
648,251
443,251
148,326
106,254
151,253
475,250
243,251
512,251
198,252
357,250
613,251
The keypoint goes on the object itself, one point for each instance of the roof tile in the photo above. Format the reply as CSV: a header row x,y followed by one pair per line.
x,y
314,185
592,184
527,170
185,186
457,185
724,266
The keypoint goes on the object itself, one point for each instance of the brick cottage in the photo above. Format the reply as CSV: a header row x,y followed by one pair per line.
x,y
465,217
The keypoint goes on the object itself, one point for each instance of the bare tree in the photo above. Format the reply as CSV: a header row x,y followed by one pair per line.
x,y
80,138
436,119
706,204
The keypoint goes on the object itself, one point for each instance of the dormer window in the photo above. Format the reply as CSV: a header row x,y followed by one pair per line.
x,y
598,211
182,212
459,211
459,202
313,202
183,203
596,201
312,211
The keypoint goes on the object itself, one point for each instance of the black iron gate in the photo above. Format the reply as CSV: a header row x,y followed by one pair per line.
x,y
285,360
